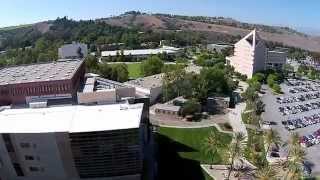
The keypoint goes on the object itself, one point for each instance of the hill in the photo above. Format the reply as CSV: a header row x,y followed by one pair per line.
x,y
126,28
212,25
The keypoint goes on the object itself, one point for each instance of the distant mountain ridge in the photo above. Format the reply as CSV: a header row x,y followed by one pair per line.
x,y
207,26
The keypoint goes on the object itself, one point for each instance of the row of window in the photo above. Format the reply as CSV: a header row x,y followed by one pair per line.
x,y
31,158
27,145
38,90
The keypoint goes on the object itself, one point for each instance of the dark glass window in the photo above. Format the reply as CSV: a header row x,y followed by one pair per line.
x,y
18,169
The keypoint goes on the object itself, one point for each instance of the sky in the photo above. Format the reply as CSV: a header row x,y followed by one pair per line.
x,y
302,14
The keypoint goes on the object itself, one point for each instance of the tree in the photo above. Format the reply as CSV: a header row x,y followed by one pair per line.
x,y
287,68
255,84
91,63
259,107
236,150
212,144
260,77
272,137
296,160
105,70
266,173
153,65
191,107
119,72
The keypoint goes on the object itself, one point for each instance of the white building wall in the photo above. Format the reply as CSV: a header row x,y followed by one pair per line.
x,y
44,149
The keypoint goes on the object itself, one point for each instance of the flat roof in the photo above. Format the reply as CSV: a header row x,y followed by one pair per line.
x,y
100,84
148,82
166,49
51,71
72,119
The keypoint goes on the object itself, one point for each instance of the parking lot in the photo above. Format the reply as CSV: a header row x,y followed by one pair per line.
x,y
296,111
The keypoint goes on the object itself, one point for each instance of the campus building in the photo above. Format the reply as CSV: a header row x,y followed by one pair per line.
x,y
220,47
97,90
100,142
150,86
46,81
251,55
142,53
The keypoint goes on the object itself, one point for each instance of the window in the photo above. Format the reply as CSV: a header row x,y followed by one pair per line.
x,y
25,145
30,158
8,143
18,169
34,169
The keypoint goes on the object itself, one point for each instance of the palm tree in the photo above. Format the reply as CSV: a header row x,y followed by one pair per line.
x,y
293,143
295,158
236,149
272,137
211,145
266,173
259,107
295,163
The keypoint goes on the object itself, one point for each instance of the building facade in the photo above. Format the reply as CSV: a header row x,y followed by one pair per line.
x,y
251,55
276,60
73,147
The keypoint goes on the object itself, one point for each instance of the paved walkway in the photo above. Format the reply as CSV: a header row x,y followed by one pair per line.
x,y
236,119
220,172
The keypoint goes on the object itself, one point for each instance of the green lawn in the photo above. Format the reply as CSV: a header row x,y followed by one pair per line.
x,y
134,70
181,153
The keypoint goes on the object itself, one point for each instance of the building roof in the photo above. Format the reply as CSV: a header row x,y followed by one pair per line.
x,y
137,52
51,71
95,83
71,119
148,82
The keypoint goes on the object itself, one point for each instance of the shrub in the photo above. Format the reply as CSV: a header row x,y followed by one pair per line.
x,y
191,107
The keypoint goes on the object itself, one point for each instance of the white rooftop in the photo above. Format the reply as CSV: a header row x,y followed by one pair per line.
x,y
71,119
136,52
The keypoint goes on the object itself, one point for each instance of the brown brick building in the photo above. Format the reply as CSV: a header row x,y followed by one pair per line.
x,y
53,80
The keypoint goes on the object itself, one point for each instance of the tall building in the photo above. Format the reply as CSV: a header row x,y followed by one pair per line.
x,y
74,50
251,55
53,80
101,142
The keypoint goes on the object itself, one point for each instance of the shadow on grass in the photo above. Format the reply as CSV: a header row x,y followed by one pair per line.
x,y
172,166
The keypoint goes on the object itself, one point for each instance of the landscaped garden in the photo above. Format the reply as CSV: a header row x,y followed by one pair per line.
x,y
181,151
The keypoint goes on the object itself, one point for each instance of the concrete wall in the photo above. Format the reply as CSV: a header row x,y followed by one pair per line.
x,y
108,96
125,92
51,152
43,148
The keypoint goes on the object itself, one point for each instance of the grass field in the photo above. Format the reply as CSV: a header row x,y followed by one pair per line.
x,y
181,153
134,70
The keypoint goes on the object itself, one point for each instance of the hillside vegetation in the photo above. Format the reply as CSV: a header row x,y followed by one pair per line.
x,y
211,26
39,42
